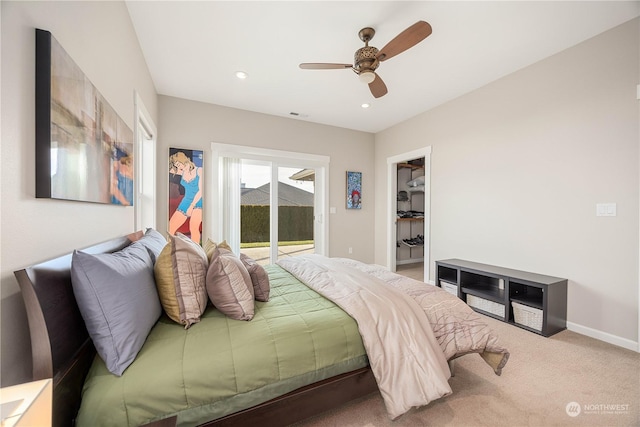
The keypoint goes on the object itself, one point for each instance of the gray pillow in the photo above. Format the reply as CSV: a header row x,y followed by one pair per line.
x,y
259,278
229,285
117,297
154,241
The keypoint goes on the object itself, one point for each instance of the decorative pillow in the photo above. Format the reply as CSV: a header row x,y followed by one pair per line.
x,y
180,271
154,241
117,298
259,278
229,285
210,246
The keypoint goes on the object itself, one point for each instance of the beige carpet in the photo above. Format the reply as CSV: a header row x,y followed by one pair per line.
x,y
543,377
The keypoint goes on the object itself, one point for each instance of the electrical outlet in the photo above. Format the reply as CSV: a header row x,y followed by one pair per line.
x,y
350,250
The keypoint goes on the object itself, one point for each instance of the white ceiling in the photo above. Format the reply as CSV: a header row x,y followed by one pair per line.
x,y
193,50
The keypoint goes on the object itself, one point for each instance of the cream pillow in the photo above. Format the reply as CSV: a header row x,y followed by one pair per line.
x,y
229,285
180,273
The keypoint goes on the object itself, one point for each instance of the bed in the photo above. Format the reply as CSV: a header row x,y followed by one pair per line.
x,y
196,376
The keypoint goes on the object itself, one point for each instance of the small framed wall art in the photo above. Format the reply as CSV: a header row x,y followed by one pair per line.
x,y
354,190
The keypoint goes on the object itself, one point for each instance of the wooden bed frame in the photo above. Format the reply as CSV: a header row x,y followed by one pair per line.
x,y
63,350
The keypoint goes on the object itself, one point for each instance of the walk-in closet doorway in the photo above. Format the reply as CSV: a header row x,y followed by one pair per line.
x,y
408,204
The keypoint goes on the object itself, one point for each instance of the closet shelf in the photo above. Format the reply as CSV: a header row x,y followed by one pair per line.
x,y
410,166
410,220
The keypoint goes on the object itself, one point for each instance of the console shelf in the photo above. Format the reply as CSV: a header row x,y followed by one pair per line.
x,y
532,301
491,294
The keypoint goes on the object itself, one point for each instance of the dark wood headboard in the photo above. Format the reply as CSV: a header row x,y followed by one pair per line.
x,y
60,345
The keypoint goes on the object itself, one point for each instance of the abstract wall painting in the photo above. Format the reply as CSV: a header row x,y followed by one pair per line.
x,y
84,150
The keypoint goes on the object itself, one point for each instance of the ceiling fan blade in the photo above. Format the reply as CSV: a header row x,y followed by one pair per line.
x,y
377,87
405,40
323,66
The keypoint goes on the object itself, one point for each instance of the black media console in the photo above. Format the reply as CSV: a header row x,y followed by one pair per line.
x,y
531,301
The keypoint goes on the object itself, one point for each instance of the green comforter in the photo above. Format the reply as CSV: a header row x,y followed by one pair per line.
x,y
220,366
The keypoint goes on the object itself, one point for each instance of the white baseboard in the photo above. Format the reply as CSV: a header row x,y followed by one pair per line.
x,y
604,336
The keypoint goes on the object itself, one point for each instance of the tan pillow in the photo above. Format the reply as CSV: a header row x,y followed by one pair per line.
x,y
229,285
180,273
259,278
210,246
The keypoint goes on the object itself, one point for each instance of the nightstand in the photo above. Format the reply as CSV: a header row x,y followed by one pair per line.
x,y
27,405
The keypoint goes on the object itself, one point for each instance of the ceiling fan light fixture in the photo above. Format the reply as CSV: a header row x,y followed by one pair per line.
x,y
367,77
367,59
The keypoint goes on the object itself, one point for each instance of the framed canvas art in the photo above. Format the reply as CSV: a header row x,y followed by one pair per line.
x,y
354,190
84,150
185,192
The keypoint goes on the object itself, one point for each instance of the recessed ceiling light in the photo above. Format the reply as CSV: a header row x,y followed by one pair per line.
x,y
365,105
241,75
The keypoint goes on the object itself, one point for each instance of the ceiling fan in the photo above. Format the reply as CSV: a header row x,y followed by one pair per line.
x,y
367,59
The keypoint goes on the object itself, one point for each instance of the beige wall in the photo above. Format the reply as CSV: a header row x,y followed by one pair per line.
x,y
100,38
195,125
519,165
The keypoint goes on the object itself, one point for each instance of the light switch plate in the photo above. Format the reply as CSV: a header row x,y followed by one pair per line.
x,y
606,209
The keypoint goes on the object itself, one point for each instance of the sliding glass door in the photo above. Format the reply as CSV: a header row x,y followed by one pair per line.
x,y
296,202
271,203
255,210
278,226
